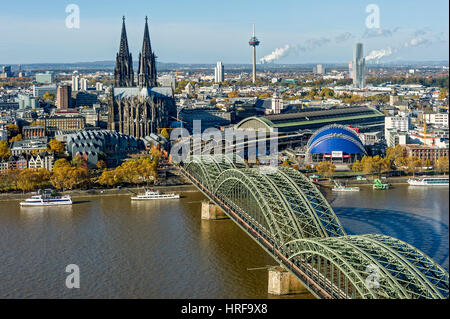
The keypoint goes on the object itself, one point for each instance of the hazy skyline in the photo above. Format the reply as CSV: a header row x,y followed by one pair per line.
x,y
205,32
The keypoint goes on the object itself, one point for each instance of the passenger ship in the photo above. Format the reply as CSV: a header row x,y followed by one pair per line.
x,y
428,181
151,194
47,200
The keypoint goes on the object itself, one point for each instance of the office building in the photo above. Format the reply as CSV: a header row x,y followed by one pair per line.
x,y
44,78
218,73
99,86
83,84
75,83
64,97
400,123
319,69
39,91
168,81
27,102
6,71
359,67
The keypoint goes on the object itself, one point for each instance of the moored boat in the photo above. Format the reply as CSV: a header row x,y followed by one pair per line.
x,y
338,187
380,185
47,200
429,181
151,195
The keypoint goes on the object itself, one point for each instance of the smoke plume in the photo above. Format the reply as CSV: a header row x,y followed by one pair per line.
x,y
378,54
308,45
275,55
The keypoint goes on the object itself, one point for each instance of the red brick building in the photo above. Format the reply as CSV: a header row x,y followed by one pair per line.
x,y
424,152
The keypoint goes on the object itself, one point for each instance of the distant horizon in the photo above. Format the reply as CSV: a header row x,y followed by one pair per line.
x,y
200,31
277,63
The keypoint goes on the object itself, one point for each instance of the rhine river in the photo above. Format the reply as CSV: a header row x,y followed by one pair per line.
x,y
162,249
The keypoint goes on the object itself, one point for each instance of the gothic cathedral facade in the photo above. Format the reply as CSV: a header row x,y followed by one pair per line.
x,y
142,109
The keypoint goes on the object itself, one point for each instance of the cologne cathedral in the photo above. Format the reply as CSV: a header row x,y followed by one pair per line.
x,y
142,109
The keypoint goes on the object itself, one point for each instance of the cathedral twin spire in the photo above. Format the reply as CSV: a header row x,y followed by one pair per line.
x,y
123,73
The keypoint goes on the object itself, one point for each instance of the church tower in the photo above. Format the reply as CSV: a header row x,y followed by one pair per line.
x,y
123,73
147,66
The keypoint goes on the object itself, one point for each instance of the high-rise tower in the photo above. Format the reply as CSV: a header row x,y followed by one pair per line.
x,y
359,67
218,73
123,73
254,42
147,66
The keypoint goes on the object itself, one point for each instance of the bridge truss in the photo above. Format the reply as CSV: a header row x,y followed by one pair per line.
x,y
290,218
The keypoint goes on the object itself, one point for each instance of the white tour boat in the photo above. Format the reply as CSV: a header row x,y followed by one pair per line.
x,y
151,194
428,181
338,187
47,200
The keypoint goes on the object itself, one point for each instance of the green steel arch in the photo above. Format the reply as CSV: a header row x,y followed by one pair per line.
x,y
369,266
292,214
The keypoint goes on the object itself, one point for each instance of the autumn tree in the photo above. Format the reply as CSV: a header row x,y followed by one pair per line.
x,y
29,179
50,97
443,164
56,146
413,164
285,163
101,164
164,133
325,168
443,94
357,166
16,138
13,130
233,94
394,154
5,152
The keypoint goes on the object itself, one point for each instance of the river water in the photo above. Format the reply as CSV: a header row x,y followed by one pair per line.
x,y
162,249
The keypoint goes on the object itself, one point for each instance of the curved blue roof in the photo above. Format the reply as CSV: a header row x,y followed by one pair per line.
x,y
328,145
334,129
335,138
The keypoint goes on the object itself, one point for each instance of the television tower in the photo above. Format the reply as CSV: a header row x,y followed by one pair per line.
x,y
254,42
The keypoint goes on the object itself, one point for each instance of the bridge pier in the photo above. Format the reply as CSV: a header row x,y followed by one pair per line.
x,y
211,211
282,282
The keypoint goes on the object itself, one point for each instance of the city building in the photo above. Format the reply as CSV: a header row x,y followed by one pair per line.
x,y
6,71
365,119
28,146
401,123
83,84
33,131
55,123
82,98
335,143
396,137
424,152
44,78
209,117
75,83
42,160
359,67
3,132
438,119
39,91
218,73
168,81
64,97
319,69
110,146
139,111
27,102
277,104
99,86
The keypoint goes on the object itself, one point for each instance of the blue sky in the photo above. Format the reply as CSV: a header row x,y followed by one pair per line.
x,y
205,31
